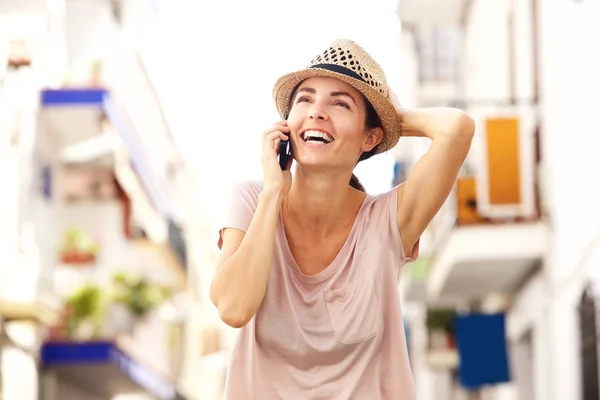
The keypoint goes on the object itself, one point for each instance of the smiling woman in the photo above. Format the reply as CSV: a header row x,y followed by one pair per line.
x,y
310,266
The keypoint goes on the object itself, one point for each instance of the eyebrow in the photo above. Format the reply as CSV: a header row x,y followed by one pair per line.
x,y
333,94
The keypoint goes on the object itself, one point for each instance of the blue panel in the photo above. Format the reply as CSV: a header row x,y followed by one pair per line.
x,y
64,353
106,353
72,97
399,173
482,350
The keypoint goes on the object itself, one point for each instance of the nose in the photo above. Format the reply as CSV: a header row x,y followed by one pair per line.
x,y
317,113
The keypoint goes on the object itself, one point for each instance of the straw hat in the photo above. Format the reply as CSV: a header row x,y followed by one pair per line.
x,y
347,61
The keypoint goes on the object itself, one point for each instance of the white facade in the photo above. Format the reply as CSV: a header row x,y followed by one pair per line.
x,y
499,65
68,37
569,83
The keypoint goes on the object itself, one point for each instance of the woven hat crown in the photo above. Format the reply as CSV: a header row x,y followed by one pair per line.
x,y
347,54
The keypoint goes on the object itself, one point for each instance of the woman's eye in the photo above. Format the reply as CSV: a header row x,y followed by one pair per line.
x,y
343,104
302,99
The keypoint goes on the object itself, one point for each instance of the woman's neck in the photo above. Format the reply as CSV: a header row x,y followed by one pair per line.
x,y
321,202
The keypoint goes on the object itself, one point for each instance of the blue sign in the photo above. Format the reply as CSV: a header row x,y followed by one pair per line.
x,y
482,350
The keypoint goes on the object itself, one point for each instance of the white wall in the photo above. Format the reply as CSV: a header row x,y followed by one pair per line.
x,y
90,35
486,41
571,142
488,50
530,313
22,6
569,84
523,48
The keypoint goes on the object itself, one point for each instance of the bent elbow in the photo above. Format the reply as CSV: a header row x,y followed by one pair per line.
x,y
465,125
234,319
228,308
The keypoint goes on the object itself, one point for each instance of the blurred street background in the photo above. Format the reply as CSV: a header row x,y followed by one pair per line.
x,y
123,123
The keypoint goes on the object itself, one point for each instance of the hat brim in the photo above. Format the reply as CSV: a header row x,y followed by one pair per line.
x,y
390,120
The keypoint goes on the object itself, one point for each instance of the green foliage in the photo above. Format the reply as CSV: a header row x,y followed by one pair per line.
x,y
85,304
441,319
138,294
80,242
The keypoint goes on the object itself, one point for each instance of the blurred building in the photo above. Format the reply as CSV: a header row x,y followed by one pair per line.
x,y
518,239
101,292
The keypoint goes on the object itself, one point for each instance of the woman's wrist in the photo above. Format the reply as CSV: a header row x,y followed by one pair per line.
x,y
272,195
429,122
412,123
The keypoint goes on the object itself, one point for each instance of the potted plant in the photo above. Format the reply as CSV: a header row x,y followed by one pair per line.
x,y
134,297
96,73
84,313
440,324
78,248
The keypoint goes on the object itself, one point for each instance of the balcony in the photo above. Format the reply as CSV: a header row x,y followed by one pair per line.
x,y
479,260
490,236
109,249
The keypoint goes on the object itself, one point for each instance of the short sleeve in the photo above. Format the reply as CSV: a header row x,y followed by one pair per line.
x,y
383,220
240,207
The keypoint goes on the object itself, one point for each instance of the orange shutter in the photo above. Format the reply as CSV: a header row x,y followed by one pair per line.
x,y
504,177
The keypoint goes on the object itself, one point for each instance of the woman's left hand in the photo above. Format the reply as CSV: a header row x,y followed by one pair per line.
x,y
404,114
395,102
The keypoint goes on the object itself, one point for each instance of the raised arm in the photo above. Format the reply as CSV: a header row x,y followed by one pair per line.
x,y
429,184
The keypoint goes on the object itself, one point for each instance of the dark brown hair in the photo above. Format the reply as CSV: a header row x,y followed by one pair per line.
x,y
371,121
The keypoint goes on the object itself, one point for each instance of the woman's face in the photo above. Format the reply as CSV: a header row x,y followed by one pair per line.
x,y
327,124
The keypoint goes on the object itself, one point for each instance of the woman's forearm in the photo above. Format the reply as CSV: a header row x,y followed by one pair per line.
x,y
240,283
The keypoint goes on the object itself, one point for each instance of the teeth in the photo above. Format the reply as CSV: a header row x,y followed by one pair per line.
x,y
312,134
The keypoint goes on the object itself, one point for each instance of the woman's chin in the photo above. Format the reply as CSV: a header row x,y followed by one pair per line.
x,y
314,163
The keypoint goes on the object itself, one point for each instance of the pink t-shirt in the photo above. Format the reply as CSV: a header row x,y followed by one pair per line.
x,y
337,335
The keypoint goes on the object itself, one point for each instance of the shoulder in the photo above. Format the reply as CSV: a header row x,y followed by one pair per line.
x,y
248,186
238,207
246,191
385,203
241,199
383,221
380,214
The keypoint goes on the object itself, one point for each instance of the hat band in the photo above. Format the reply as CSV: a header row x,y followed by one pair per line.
x,y
340,70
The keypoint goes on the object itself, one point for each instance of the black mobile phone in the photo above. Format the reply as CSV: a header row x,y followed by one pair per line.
x,y
285,152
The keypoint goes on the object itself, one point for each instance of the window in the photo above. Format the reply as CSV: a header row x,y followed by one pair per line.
x,y
438,49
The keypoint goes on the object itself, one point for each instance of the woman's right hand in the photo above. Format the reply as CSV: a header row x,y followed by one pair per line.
x,y
274,178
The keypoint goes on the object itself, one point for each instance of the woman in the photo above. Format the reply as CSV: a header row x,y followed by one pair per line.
x,y
310,266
